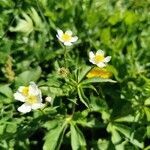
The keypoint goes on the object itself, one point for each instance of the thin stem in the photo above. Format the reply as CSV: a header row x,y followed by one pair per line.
x,y
65,55
73,108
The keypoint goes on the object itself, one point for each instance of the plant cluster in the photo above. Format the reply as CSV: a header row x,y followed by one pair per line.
x,y
74,75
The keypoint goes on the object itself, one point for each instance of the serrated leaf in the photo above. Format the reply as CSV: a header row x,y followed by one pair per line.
x,y
137,143
77,138
82,97
126,131
116,138
54,137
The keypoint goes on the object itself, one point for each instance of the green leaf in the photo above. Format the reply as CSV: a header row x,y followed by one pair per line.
x,y
115,138
54,137
2,127
137,143
96,80
128,118
126,131
147,102
83,73
51,124
6,90
105,35
82,97
77,139
28,76
11,128
103,144
148,131
130,17
147,112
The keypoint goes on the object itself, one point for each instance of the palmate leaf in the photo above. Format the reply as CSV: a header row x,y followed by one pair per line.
x,y
115,138
96,80
54,137
77,138
127,132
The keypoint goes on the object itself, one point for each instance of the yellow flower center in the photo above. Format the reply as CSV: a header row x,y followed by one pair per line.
x,y
66,37
31,99
99,58
25,91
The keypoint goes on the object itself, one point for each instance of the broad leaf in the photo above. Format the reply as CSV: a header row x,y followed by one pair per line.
x,y
28,76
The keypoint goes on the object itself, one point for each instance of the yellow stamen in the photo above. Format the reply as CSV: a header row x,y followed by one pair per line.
x,y
99,58
25,91
66,37
99,72
31,99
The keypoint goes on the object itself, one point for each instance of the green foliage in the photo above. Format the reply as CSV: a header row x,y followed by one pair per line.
x,y
84,113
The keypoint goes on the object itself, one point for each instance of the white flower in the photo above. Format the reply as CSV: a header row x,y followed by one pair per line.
x,y
99,59
31,96
66,38
49,99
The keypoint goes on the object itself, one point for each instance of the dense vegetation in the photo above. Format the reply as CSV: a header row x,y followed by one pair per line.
x,y
109,112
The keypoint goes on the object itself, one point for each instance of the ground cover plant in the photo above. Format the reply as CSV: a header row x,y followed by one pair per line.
x,y
74,74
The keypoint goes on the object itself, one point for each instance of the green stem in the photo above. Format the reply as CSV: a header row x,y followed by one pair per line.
x,y
65,56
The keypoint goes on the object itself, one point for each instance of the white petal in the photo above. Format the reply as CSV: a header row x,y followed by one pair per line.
x,y
40,96
33,89
21,88
60,39
59,32
107,59
69,32
100,52
92,61
18,96
91,55
48,99
37,105
101,64
24,108
67,43
74,39
58,36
